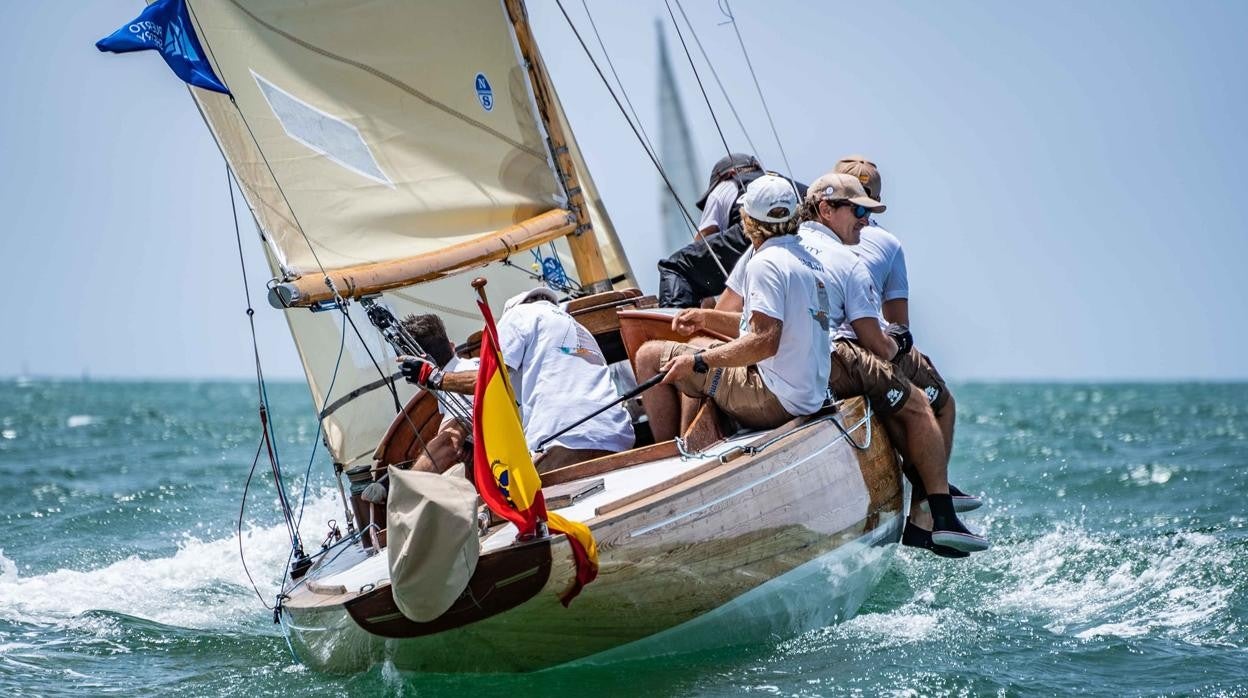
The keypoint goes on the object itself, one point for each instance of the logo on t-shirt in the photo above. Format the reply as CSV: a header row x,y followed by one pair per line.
x,y
932,392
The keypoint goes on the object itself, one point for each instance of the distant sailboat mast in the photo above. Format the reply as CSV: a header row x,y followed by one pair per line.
x,y
676,153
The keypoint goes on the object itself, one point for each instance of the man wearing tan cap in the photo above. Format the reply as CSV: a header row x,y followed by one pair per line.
x,y
885,258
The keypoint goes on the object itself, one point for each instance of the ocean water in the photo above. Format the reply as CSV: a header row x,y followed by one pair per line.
x,y
1117,511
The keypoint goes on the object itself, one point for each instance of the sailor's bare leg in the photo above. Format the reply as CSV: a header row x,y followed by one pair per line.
x,y
443,450
946,418
662,402
924,444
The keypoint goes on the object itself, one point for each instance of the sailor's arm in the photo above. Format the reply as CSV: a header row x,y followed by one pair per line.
x,y
898,311
692,320
763,341
871,336
730,301
462,382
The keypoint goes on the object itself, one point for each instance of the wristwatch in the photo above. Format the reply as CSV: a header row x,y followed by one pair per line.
x,y
699,363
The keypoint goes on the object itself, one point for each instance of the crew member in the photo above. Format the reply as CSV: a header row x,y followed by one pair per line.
x,y
559,374
691,273
448,446
768,374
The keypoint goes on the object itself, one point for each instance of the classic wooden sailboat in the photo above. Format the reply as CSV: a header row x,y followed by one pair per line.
x,y
392,150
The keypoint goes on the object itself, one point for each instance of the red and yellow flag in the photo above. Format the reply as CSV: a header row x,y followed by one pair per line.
x,y
503,468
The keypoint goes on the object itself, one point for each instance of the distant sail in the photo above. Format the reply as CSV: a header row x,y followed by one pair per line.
x,y
365,132
677,155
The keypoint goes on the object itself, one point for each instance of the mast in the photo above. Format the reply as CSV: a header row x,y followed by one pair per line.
x,y
586,254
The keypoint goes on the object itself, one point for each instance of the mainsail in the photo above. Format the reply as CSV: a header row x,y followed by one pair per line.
x,y
396,139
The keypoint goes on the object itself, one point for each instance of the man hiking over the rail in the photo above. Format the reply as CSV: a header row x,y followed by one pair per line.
x,y
559,374
885,259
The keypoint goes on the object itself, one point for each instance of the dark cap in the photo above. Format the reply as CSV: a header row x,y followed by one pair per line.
x,y
725,168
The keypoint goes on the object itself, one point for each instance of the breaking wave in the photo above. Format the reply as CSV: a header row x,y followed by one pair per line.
x,y
202,586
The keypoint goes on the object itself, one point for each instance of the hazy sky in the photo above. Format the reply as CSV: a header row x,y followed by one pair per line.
x,y
1067,177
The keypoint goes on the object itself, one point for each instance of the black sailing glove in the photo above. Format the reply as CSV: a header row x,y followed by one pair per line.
x,y
900,334
421,372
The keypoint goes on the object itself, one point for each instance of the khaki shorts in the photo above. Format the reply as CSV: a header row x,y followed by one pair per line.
x,y
739,390
918,368
856,371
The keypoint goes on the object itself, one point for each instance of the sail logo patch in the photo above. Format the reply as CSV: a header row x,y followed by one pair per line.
x,y
485,93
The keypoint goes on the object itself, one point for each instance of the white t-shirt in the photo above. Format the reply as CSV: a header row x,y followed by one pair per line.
x,y
786,282
857,295
719,205
560,376
885,260
455,365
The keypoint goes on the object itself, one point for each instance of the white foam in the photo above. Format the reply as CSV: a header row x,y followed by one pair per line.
x,y
79,420
1075,581
203,585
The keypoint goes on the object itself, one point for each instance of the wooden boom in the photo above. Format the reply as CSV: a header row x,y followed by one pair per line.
x,y
355,282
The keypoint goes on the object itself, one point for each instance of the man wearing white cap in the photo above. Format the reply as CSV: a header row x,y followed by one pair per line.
x,y
559,374
769,373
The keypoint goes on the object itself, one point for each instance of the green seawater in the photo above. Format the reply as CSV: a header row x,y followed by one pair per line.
x,y
1117,512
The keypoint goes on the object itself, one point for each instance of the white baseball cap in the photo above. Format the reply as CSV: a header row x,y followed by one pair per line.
x,y
538,293
766,194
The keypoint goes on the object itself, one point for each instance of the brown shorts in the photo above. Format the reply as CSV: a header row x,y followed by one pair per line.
x,y
739,390
918,368
856,371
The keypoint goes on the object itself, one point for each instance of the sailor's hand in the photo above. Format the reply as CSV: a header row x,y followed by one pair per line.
x,y
689,321
421,372
900,334
679,367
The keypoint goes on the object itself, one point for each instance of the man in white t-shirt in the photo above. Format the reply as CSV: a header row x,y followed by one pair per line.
x,y
768,374
885,258
836,210
559,374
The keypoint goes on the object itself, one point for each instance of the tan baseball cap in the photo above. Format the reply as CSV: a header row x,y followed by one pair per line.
x,y
837,186
862,168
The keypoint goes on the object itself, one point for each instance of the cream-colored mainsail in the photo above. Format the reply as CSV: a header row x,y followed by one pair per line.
x,y
387,136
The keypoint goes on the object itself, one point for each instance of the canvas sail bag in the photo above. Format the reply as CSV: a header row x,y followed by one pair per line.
x,y
432,541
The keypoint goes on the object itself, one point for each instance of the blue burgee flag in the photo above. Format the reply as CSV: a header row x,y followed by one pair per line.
x,y
165,26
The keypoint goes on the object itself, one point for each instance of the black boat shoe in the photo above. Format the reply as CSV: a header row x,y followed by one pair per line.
x,y
962,502
916,537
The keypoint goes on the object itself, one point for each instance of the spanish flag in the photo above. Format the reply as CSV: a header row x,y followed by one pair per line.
x,y
503,469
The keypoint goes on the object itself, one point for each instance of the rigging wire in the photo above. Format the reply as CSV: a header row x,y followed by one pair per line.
x,y
694,68
242,506
727,10
610,64
653,159
715,74
262,392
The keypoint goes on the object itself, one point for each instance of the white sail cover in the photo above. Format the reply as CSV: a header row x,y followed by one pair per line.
x,y
365,131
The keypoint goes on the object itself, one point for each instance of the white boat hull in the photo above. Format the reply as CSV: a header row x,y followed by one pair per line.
x,y
766,545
